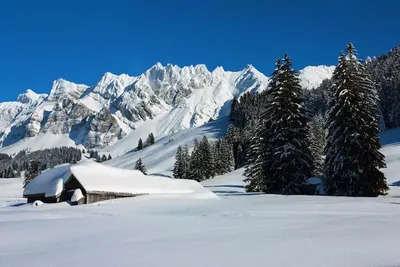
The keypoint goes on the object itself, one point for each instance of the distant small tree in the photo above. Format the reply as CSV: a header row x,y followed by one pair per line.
x,y
140,166
104,158
83,151
32,171
109,157
150,139
140,144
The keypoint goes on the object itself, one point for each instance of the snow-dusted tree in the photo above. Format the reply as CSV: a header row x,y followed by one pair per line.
x,y
186,161
178,171
353,159
109,157
279,158
201,166
224,161
33,170
150,139
206,159
317,141
258,158
140,144
194,172
140,166
103,158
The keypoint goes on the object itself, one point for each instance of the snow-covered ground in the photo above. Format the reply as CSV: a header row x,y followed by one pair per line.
x,y
234,230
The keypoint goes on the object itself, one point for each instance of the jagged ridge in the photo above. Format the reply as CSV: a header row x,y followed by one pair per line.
x,y
99,115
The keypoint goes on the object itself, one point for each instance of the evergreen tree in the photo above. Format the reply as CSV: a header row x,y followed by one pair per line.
x,y
201,165
292,161
103,158
353,159
317,141
140,166
109,157
194,172
186,162
178,171
33,170
150,139
140,144
258,159
234,105
206,163
223,157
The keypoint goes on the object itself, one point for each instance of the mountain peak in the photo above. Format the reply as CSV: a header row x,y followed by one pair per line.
x,y
63,88
28,97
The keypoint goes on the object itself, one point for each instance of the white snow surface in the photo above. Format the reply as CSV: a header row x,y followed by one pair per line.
x,y
233,230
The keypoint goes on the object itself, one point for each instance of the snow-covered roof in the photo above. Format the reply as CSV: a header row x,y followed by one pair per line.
x,y
48,182
95,177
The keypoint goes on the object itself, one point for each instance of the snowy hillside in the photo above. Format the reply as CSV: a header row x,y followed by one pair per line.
x,y
159,158
169,98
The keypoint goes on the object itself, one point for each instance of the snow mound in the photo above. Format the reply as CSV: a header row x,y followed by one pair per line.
x,y
77,195
37,203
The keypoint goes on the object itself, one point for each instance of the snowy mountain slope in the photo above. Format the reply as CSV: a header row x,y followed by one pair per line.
x,y
160,157
312,76
117,105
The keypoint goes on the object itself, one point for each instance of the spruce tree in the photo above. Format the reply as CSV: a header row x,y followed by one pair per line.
x,y
178,171
206,159
186,162
109,157
223,157
150,139
258,159
317,142
33,170
292,161
140,144
140,166
353,159
103,158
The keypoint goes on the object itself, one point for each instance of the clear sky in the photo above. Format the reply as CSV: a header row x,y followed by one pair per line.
x,y
79,40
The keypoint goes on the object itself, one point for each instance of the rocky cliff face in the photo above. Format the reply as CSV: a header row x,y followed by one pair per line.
x,y
99,115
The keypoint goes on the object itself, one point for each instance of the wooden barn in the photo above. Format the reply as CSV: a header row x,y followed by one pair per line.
x,y
91,182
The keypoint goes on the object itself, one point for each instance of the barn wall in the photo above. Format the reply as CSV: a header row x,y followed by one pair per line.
x,y
96,197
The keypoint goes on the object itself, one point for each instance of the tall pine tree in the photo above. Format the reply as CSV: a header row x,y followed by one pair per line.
x,y
317,140
292,161
353,159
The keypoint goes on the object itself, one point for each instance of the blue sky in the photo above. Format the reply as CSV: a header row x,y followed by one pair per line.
x,y
43,40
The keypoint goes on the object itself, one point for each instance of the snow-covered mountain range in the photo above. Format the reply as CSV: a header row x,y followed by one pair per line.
x,y
163,100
